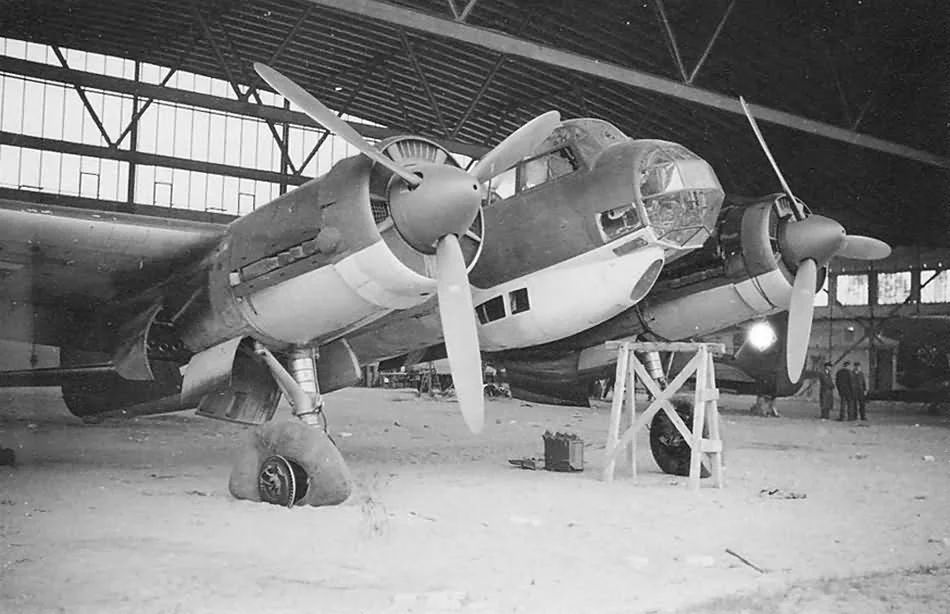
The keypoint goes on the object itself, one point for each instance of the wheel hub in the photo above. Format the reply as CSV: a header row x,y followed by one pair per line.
x,y
282,481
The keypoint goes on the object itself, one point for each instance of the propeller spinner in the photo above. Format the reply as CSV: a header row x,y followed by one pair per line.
x,y
431,205
807,244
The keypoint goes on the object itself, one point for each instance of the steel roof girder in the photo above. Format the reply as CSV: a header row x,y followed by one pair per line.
x,y
510,45
712,41
425,82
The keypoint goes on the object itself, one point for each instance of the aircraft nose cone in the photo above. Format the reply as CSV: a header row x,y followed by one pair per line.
x,y
815,237
446,202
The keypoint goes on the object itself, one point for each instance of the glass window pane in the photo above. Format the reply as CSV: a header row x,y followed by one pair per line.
x,y
619,221
491,310
503,186
935,287
821,299
519,301
852,289
893,288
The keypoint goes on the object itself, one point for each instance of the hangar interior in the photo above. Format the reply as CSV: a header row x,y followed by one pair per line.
x,y
152,107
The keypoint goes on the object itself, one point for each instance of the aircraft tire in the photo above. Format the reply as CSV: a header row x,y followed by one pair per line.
x,y
315,473
670,451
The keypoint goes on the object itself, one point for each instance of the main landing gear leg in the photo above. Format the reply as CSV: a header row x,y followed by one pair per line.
x,y
670,451
293,462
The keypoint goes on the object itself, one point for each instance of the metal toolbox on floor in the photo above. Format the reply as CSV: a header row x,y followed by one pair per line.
x,y
563,452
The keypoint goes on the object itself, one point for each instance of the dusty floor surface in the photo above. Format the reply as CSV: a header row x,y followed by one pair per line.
x,y
135,516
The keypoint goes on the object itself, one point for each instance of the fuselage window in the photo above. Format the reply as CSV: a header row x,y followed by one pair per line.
x,y
550,166
491,310
619,221
518,301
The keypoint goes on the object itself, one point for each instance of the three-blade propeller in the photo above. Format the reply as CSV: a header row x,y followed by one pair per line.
x,y
809,243
431,205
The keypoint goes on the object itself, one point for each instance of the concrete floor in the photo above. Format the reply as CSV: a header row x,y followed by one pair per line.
x,y
135,516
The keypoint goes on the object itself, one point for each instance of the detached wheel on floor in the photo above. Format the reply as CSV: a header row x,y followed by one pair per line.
x,y
282,481
670,451
289,463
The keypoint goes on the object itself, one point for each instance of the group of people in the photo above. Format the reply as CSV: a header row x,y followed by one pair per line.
x,y
852,389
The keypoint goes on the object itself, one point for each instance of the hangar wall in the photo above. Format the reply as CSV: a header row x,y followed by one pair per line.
x,y
59,137
66,143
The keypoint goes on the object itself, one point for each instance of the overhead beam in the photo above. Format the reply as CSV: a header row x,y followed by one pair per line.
x,y
468,9
670,38
139,157
510,45
69,76
433,103
100,204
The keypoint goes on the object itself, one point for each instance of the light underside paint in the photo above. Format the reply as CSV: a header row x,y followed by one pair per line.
x,y
566,300
718,308
391,338
702,313
332,300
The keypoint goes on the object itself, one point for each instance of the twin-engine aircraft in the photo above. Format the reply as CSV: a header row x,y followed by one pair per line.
x,y
549,245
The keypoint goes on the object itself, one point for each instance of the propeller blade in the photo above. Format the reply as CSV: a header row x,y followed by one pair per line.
x,y
460,332
796,207
858,247
518,145
800,313
329,120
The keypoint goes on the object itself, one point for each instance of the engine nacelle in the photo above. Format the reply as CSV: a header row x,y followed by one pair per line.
x,y
753,281
317,262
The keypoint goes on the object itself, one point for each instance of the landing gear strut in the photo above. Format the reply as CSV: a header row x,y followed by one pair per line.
x,y
293,462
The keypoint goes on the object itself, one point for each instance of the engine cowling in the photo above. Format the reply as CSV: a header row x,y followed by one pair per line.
x,y
318,261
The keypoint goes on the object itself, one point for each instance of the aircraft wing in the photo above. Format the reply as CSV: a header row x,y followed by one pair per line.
x,y
57,263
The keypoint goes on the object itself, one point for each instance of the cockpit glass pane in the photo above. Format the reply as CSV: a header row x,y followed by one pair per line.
x,y
502,186
550,166
681,195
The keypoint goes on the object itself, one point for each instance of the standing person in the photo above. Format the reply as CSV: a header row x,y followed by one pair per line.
x,y
843,384
826,391
860,385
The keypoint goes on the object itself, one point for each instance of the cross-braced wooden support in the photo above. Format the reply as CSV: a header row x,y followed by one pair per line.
x,y
705,407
